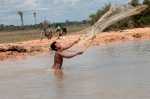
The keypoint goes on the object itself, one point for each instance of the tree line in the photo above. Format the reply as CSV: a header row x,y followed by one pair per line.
x,y
136,21
40,25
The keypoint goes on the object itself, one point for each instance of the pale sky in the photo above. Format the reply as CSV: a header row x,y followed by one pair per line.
x,y
51,10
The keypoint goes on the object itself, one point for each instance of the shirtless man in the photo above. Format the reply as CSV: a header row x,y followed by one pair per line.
x,y
59,55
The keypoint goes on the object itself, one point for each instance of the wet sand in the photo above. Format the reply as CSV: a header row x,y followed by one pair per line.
x,y
30,48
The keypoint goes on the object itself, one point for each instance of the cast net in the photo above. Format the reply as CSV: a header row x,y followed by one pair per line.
x,y
115,14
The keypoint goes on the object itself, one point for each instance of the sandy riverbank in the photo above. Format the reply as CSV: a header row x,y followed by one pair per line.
x,y
30,48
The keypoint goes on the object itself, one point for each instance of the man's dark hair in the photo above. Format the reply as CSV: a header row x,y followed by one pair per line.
x,y
53,46
64,29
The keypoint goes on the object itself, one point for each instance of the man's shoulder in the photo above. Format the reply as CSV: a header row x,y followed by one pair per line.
x,y
59,53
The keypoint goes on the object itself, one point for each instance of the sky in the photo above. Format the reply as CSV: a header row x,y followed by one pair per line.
x,y
50,10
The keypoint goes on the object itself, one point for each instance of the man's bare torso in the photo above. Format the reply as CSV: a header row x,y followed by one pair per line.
x,y
58,60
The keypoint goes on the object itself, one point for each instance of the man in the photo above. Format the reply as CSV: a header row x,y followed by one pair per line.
x,y
59,55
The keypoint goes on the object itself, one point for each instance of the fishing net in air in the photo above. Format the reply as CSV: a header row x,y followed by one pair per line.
x,y
115,14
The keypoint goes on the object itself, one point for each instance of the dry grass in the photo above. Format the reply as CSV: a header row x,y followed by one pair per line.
x,y
19,36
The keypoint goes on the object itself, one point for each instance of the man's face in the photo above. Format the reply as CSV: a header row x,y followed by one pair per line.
x,y
57,44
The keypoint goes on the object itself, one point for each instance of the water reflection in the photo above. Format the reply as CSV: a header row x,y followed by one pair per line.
x,y
59,74
59,83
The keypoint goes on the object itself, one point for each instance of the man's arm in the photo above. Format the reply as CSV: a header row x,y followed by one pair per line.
x,y
68,46
69,56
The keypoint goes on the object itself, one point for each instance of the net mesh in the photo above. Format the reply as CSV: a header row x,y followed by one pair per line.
x,y
115,14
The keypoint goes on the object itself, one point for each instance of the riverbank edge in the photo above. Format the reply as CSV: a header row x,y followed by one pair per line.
x,y
21,50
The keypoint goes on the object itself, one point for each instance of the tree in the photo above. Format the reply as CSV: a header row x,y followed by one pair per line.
x,y
134,2
146,18
2,27
143,18
67,22
146,2
45,24
21,16
35,17
84,22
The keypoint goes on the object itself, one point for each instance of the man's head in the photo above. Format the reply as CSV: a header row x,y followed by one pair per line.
x,y
55,45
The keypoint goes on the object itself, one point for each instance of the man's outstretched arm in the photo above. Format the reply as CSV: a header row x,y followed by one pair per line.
x,y
70,56
70,45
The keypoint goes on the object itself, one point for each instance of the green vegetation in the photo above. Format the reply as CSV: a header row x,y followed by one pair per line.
x,y
141,20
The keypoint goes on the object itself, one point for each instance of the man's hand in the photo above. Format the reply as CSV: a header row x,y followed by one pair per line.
x,y
80,52
77,40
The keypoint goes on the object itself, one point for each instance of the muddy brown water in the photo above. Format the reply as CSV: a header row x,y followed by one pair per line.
x,y
119,71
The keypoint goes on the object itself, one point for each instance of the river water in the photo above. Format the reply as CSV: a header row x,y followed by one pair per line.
x,y
119,71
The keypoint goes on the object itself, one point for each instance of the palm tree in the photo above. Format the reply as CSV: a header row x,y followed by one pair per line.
x,y
35,17
21,16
